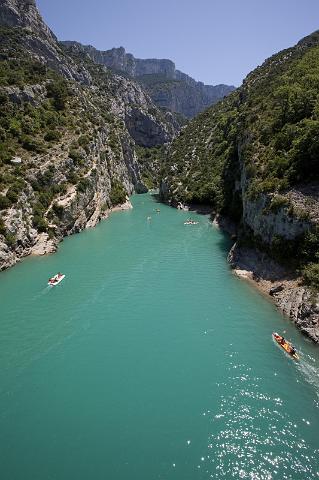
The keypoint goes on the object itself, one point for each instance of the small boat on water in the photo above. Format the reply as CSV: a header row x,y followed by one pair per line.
x,y
288,347
190,222
56,279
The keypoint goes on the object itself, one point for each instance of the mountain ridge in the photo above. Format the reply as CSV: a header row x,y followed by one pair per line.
x,y
168,87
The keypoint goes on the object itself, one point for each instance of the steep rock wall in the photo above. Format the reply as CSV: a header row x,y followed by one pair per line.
x,y
73,132
169,88
39,41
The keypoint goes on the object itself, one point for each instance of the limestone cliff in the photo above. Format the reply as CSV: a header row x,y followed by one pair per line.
x,y
169,88
254,158
39,41
68,135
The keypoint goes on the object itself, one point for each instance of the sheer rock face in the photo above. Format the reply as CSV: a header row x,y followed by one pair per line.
x,y
40,42
80,207
24,13
112,112
117,59
187,98
295,300
168,87
146,124
230,157
144,128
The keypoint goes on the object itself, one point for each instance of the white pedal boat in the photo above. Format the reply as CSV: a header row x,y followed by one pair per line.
x,y
56,279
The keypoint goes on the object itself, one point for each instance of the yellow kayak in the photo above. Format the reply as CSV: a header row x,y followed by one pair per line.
x,y
286,346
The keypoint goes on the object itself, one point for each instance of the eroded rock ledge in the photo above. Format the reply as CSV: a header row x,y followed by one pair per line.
x,y
41,244
283,286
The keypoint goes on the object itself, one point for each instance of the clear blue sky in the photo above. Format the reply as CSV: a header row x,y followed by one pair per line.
x,y
215,41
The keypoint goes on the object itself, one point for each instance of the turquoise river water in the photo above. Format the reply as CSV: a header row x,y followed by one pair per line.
x,y
151,360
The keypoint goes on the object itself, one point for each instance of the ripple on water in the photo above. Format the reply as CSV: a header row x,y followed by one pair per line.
x,y
253,437
140,365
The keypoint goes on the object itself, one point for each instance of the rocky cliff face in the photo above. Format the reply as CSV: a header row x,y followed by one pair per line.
x,y
169,88
253,158
77,206
293,298
68,136
24,13
147,125
117,59
39,41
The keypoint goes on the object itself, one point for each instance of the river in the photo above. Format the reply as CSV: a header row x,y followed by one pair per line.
x,y
151,360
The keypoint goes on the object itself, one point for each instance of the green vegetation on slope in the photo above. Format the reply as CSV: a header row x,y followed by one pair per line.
x,y
42,122
201,154
118,194
261,139
157,80
282,116
150,162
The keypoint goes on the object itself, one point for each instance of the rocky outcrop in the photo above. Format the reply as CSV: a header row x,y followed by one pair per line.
x,y
253,157
286,216
147,125
169,88
39,41
117,59
145,129
294,299
79,161
267,224
33,94
188,98
80,207
24,14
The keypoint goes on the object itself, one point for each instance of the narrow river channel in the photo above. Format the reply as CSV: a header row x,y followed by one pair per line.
x,y
151,360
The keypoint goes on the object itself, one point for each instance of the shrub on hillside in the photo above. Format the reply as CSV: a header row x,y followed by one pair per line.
x,y
83,185
4,202
10,239
117,193
12,195
40,223
31,144
310,274
52,136
2,227
76,156
57,90
58,210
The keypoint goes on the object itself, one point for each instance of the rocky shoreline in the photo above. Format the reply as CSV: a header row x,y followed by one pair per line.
x,y
280,285
277,283
44,245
